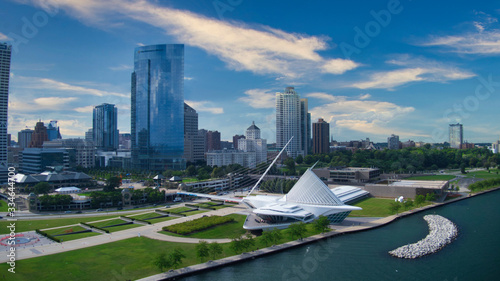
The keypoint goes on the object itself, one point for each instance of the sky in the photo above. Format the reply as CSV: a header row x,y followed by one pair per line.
x,y
369,68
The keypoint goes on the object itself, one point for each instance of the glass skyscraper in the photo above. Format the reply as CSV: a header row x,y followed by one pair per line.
x,y
157,107
456,135
105,127
5,54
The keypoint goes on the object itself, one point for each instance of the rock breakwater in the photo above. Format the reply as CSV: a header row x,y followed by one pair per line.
x,y
442,232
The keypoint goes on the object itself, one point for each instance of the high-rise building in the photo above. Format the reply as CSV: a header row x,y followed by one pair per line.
x,y
53,132
253,143
194,143
157,107
292,120
393,142
38,160
24,137
235,140
89,135
105,127
213,140
39,135
321,133
456,135
84,151
5,55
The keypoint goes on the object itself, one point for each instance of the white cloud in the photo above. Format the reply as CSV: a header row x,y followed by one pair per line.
x,y
204,106
262,49
188,78
85,109
53,101
480,43
121,67
415,70
4,37
365,96
259,98
371,117
50,84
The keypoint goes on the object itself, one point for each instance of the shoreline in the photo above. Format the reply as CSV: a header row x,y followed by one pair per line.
x,y
198,268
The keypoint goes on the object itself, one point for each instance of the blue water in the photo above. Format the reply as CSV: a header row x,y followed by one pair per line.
x,y
474,255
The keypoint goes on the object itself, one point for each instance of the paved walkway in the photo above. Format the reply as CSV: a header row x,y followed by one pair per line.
x,y
150,231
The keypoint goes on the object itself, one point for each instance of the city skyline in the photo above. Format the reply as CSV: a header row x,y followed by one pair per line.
x,y
367,68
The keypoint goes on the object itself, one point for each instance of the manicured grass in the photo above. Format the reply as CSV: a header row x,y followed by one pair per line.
x,y
227,230
433,178
129,259
123,227
27,225
70,237
373,207
145,216
182,210
3,206
484,174
103,224
211,205
161,219
376,207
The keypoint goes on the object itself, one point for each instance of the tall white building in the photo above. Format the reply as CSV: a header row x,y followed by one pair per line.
x,y
456,135
253,143
292,120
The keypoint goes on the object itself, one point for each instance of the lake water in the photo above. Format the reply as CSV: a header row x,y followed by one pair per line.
x,y
475,255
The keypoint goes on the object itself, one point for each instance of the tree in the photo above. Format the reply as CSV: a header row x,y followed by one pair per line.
x,y
162,262
236,244
112,183
419,200
290,165
276,235
41,188
267,237
191,171
395,207
249,242
176,257
297,229
457,188
430,197
299,159
202,250
462,168
215,250
408,204
321,224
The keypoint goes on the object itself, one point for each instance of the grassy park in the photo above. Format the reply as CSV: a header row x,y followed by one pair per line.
x,y
228,230
373,207
493,173
3,206
71,229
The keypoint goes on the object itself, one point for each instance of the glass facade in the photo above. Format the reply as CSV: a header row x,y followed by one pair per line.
x,y
157,107
5,54
105,127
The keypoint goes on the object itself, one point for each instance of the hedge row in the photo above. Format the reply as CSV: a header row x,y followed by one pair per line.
x,y
43,233
134,219
197,224
486,184
96,227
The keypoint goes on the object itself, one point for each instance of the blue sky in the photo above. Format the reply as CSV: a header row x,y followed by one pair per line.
x,y
370,68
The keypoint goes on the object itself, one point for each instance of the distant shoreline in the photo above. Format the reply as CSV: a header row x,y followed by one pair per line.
x,y
198,268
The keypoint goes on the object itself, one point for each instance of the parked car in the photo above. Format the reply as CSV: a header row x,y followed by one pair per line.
x,y
67,212
119,208
99,210
78,212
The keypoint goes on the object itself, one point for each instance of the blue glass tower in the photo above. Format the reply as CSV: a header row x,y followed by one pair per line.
x,y
157,107
105,127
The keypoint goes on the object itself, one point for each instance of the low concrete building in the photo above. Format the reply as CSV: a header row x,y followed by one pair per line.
x,y
349,174
406,188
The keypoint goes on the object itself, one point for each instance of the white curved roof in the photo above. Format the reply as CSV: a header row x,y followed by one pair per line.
x,y
312,190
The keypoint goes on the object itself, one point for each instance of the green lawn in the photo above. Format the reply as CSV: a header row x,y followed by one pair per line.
x,y
129,259
3,206
145,216
211,205
484,174
161,219
27,225
227,230
433,178
376,207
103,224
123,227
71,236
182,210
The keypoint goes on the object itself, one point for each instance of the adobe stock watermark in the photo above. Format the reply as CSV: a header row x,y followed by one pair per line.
x,y
31,26
11,241
223,6
372,29
461,111
312,262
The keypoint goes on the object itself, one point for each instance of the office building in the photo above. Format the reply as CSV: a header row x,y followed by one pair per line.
x,y
105,127
89,135
53,132
226,157
393,142
321,133
5,55
157,108
253,143
194,143
124,142
38,160
235,140
213,140
292,120
24,137
84,151
39,135
456,135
